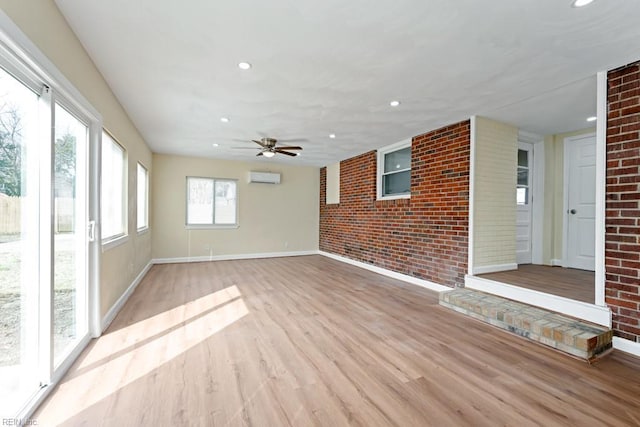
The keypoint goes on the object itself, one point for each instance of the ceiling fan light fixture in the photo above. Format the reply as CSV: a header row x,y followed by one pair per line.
x,y
244,65
394,103
268,153
581,3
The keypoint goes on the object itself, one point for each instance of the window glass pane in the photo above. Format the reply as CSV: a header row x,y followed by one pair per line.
x,y
225,202
69,302
19,243
199,201
397,183
523,158
523,176
397,160
522,196
113,180
143,197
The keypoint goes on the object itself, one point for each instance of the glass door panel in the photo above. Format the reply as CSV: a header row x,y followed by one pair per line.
x,y
69,231
19,243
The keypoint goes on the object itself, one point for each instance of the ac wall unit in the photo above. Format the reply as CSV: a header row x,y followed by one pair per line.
x,y
264,177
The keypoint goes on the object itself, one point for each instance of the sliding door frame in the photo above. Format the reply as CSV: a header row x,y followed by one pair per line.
x,y
25,60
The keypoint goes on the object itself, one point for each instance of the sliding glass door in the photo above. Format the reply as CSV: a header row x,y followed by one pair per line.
x,y
44,149
70,233
19,242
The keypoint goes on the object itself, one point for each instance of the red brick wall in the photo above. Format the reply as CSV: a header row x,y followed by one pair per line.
x,y
622,253
425,236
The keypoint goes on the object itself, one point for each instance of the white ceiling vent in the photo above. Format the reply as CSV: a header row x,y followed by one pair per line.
x,y
264,177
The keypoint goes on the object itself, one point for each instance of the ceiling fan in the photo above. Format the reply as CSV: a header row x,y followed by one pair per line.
x,y
269,147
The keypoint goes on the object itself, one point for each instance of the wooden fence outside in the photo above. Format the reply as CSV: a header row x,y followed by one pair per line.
x,y
10,214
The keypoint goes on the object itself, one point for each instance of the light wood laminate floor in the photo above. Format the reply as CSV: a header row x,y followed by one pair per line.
x,y
312,341
565,282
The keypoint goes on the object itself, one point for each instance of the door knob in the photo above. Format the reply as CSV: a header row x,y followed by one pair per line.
x,y
573,211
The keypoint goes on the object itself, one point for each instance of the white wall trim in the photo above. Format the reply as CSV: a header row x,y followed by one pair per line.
x,y
556,262
495,268
578,309
537,212
115,309
393,274
472,186
601,173
231,257
627,346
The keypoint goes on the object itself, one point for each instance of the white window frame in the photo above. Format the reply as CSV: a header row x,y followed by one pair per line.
x,y
145,226
109,242
213,225
382,152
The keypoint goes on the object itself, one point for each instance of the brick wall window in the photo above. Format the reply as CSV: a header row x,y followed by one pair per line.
x,y
425,236
394,171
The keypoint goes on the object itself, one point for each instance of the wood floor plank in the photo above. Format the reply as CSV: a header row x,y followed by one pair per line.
x,y
309,341
565,282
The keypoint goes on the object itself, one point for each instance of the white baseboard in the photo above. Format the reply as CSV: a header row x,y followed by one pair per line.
x,y
113,311
395,275
231,257
495,268
627,346
556,262
578,309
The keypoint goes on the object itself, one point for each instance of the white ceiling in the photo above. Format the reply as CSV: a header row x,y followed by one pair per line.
x,y
332,66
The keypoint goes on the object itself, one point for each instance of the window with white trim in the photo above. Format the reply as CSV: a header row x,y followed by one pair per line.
x,y
211,202
394,171
113,202
142,198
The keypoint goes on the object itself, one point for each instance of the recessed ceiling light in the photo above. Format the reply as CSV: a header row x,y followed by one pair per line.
x,y
592,119
332,135
224,119
581,3
244,65
215,144
394,103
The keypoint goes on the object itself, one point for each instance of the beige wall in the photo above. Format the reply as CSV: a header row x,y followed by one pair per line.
x,y
494,239
332,188
554,194
46,28
272,218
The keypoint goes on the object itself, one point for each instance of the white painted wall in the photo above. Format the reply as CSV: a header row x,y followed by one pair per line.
x,y
494,240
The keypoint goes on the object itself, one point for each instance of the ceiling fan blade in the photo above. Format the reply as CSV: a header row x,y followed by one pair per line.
x,y
289,148
294,140
278,150
260,153
245,148
259,143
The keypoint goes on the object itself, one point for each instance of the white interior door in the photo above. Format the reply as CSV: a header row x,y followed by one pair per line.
x,y
580,196
524,202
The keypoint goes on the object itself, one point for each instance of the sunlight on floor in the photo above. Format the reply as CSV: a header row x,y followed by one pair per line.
x,y
137,350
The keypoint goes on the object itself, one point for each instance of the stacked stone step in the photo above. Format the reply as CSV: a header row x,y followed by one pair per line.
x,y
578,338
